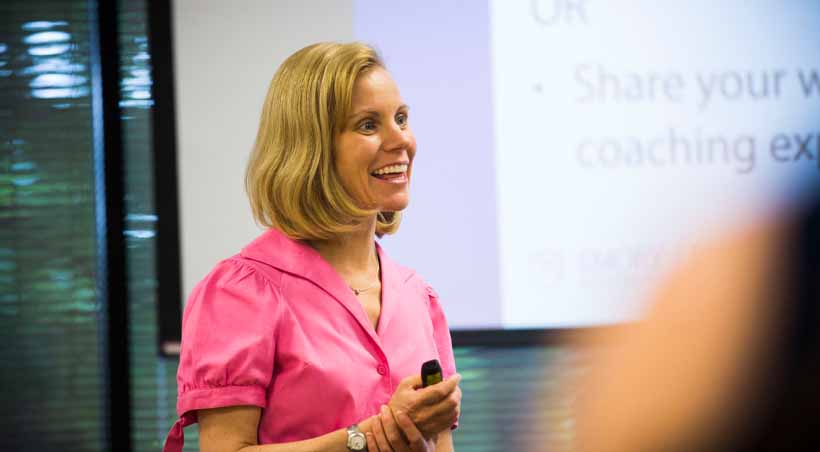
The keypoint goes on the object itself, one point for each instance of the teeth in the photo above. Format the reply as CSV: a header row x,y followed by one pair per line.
x,y
391,169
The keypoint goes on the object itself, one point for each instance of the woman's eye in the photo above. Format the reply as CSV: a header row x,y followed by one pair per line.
x,y
367,126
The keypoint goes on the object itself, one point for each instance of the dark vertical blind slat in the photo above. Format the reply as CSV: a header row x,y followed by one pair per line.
x,y
110,192
165,184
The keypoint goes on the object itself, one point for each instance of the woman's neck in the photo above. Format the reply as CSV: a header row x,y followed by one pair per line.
x,y
352,252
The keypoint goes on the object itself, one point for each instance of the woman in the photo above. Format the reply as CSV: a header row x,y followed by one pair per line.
x,y
311,338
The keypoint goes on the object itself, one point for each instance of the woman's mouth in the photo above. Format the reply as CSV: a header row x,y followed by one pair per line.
x,y
395,174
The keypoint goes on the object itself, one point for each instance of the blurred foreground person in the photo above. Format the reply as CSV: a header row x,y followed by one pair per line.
x,y
728,357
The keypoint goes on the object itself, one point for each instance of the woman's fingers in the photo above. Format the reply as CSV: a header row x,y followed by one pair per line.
x,y
414,436
431,409
372,446
438,392
439,416
392,431
450,405
413,381
378,434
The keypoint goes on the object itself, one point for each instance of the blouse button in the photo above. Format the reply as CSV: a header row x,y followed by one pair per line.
x,y
381,369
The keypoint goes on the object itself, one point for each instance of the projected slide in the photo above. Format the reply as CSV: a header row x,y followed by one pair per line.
x,y
613,137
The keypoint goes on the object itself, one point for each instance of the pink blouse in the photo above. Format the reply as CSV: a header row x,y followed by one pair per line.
x,y
276,327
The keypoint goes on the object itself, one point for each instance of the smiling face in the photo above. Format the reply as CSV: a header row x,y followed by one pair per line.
x,y
373,154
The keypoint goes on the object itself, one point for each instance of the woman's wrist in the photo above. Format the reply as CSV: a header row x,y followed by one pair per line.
x,y
366,426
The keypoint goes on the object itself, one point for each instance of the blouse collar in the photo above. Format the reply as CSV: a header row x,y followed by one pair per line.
x,y
298,258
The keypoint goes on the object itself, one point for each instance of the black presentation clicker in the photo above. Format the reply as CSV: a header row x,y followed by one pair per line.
x,y
430,373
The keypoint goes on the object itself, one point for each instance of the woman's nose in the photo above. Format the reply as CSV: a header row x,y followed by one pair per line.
x,y
398,138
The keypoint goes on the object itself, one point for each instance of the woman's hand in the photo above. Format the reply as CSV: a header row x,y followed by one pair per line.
x,y
431,409
417,441
395,432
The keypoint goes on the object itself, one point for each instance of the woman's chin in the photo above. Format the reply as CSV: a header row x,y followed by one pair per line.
x,y
395,205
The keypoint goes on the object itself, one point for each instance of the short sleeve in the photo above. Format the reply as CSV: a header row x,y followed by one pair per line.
x,y
441,334
228,339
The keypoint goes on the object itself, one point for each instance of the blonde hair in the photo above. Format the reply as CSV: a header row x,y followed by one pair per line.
x,y
291,181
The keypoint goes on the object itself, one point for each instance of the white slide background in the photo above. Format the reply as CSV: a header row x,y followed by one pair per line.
x,y
593,103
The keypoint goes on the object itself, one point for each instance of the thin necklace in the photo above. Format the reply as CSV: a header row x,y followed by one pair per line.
x,y
358,291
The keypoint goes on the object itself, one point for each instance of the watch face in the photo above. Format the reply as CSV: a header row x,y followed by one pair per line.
x,y
358,442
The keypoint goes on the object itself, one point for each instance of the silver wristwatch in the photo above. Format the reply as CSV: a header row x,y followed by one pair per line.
x,y
356,441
